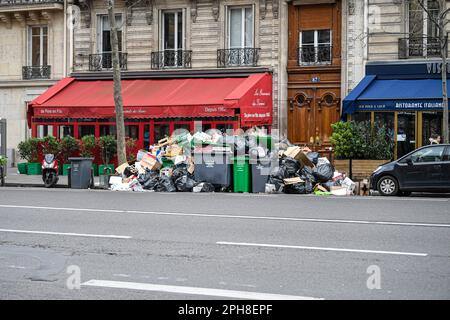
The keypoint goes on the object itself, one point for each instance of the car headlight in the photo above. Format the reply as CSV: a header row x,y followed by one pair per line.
x,y
378,169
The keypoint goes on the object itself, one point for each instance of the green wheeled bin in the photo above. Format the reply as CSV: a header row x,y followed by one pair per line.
x,y
241,174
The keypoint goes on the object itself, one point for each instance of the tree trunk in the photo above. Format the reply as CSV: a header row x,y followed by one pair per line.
x,y
120,125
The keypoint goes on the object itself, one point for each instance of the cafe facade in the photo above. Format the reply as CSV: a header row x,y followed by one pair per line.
x,y
404,96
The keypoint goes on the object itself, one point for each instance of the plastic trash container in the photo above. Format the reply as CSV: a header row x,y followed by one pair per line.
x,y
260,173
241,174
213,166
81,174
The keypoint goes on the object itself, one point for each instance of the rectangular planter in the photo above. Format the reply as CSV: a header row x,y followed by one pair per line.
x,y
362,169
95,169
101,169
65,167
34,168
22,168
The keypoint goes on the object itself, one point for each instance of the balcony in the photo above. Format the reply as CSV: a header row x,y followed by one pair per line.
x,y
103,61
419,47
237,57
315,55
27,2
171,59
33,72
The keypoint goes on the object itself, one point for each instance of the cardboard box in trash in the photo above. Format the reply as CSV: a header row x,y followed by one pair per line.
x,y
149,162
298,154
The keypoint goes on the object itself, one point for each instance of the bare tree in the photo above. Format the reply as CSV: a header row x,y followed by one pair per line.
x,y
120,125
440,21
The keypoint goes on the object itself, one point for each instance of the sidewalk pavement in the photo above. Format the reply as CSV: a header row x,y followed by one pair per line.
x,y
14,179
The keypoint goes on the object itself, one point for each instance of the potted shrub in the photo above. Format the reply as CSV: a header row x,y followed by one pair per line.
x,y
87,150
360,148
24,151
108,149
29,151
67,148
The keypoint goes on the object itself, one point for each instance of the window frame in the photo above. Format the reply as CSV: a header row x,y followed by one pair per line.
x,y
183,32
41,45
316,45
243,26
99,31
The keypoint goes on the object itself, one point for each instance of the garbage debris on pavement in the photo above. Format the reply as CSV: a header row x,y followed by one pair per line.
x,y
204,162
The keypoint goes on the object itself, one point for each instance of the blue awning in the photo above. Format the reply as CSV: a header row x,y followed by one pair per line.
x,y
374,94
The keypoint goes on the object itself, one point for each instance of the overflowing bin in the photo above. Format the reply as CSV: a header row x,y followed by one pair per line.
x,y
81,175
213,165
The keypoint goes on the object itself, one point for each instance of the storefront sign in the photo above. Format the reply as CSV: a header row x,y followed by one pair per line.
x,y
436,67
400,105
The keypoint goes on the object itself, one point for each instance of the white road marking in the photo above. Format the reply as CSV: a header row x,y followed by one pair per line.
x,y
67,234
245,244
228,216
193,290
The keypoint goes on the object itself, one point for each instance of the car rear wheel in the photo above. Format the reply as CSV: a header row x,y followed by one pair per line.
x,y
388,186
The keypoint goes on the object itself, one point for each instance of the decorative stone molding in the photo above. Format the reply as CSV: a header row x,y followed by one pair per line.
x,y
129,11
194,10
85,7
33,16
20,17
351,7
6,18
275,8
149,11
215,9
262,9
47,16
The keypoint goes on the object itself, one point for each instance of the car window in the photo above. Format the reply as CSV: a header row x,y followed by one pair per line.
x,y
447,154
432,154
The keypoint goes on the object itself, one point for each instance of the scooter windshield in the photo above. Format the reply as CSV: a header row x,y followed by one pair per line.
x,y
49,158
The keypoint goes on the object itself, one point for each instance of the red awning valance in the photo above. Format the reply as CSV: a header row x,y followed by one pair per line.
x,y
161,98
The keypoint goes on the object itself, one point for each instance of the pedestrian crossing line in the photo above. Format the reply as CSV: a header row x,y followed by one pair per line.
x,y
264,245
193,290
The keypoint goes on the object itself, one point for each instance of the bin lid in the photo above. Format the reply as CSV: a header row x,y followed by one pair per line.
x,y
80,159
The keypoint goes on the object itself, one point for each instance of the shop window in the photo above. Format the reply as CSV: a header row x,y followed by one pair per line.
x,y
107,130
85,131
224,127
132,131
206,126
65,131
161,131
406,134
44,130
361,116
431,125
146,136
184,126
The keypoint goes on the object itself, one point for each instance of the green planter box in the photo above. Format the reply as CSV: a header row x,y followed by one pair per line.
x,y
22,167
34,168
102,167
95,169
241,174
66,167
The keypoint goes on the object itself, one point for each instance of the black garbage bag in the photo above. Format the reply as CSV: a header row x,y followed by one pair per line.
x,y
151,183
278,183
324,172
205,187
306,174
179,171
291,166
185,183
279,172
165,184
313,157
296,188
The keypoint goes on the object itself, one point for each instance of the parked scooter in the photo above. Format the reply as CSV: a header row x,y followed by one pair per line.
x,y
50,171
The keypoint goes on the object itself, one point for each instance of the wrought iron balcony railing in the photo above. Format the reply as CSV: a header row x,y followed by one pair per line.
x,y
171,59
103,61
313,55
419,47
27,2
237,57
36,72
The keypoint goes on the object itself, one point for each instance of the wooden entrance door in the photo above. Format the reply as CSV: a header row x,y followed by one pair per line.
x,y
311,113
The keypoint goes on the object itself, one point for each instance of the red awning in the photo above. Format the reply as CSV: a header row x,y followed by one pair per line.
x,y
165,98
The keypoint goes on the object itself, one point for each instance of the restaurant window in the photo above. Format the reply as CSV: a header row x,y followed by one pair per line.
x,y
146,136
85,130
362,116
65,131
224,127
431,125
107,130
184,126
38,46
132,131
44,130
172,38
161,131
315,47
406,133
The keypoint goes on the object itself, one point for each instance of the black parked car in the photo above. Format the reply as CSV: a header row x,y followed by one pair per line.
x,y
426,169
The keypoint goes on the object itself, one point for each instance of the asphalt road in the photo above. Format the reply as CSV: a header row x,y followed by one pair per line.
x,y
221,246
